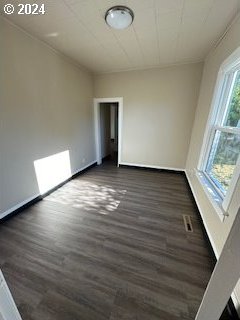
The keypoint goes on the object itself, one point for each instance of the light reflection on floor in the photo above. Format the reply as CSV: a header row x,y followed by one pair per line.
x,y
88,196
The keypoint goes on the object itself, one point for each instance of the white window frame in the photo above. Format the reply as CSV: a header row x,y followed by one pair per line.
x,y
224,82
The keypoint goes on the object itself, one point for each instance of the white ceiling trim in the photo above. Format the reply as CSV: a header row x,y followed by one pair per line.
x,y
218,42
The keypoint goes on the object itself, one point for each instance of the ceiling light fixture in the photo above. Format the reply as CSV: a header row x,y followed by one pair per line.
x,y
119,17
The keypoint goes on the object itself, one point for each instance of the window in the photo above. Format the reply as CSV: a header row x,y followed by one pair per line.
x,y
220,162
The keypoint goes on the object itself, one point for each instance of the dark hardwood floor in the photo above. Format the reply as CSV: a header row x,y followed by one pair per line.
x,y
110,244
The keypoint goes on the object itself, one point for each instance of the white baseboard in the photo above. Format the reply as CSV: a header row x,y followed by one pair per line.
x,y
150,166
21,204
202,215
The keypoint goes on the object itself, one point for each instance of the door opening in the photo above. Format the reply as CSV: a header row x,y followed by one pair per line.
x,y
109,131
108,118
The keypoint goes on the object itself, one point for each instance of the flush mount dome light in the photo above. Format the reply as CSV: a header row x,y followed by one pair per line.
x,y
119,17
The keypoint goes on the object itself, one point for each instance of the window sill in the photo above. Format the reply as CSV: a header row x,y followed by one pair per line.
x,y
213,196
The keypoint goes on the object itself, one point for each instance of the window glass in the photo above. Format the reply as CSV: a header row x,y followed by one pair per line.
x,y
223,158
233,114
220,164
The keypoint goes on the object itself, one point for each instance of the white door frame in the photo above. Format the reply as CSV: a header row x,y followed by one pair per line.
x,y
96,103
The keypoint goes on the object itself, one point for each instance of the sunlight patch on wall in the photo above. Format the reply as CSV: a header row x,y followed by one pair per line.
x,y
52,170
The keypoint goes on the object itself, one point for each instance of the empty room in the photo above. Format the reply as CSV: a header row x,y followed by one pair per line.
x,y
119,160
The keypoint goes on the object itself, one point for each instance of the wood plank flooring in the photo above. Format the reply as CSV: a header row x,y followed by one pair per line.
x,y
110,244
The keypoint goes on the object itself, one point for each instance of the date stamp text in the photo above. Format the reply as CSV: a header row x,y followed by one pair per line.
x,y
25,8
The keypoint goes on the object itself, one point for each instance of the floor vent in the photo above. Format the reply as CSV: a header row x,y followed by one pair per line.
x,y
187,223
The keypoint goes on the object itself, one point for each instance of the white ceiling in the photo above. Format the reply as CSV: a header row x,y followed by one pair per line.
x,y
164,32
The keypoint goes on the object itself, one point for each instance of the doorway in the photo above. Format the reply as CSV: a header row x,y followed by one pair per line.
x,y
108,128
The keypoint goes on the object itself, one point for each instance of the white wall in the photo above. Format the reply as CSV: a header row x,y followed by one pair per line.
x,y
158,112
45,108
218,231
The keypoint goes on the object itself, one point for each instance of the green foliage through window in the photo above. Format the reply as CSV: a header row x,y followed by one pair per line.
x,y
233,117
